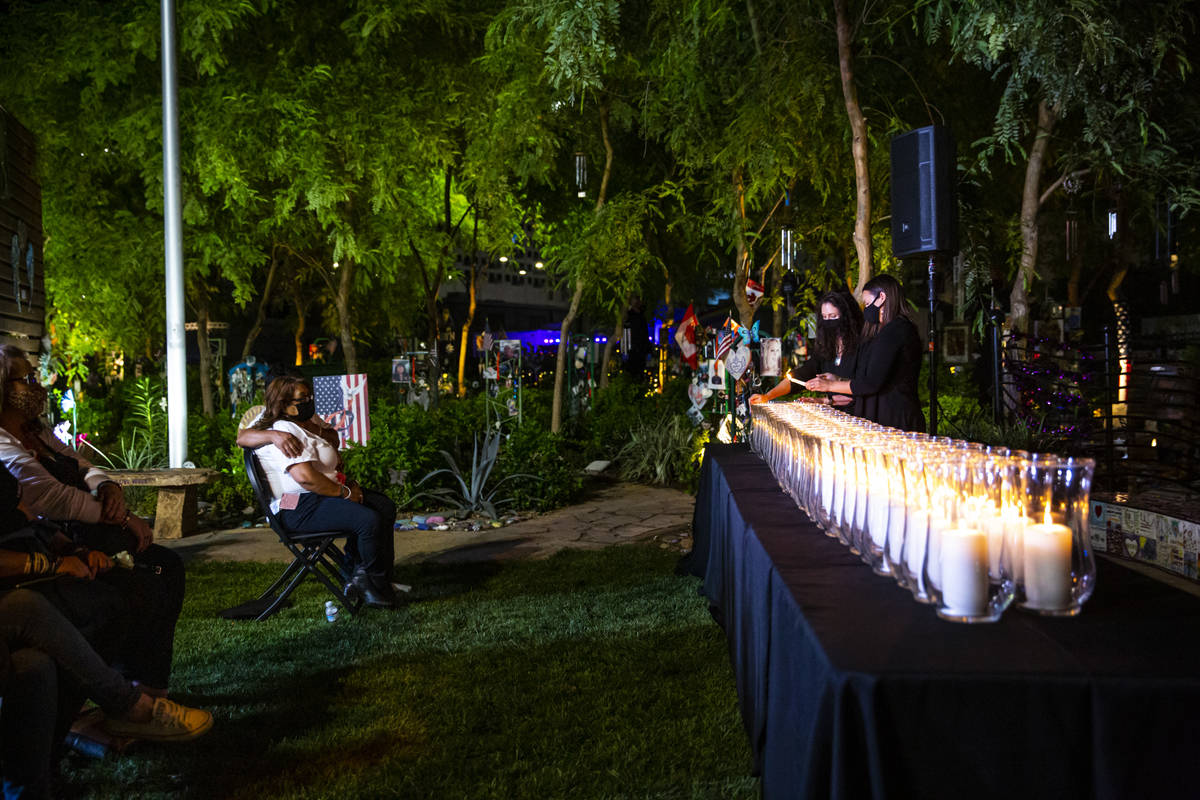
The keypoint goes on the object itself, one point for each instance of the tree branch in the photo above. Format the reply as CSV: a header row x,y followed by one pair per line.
x,y
1061,180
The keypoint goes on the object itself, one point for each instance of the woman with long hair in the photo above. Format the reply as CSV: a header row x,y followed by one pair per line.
x,y
884,385
835,351
60,485
299,455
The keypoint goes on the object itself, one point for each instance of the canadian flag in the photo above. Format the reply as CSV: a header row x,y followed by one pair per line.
x,y
754,290
685,337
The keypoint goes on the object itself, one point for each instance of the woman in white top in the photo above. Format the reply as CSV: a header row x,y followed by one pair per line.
x,y
299,457
61,485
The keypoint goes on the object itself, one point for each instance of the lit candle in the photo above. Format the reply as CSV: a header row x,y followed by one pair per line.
x,y
992,522
826,473
895,534
916,537
964,570
1047,559
877,513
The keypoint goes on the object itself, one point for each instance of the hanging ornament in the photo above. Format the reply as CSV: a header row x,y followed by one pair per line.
x,y
580,173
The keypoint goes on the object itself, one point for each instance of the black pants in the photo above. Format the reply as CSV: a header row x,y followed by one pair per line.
x,y
53,670
369,526
153,597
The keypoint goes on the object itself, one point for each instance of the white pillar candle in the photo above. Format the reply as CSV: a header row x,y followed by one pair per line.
x,y
992,524
916,535
937,526
860,506
1047,566
827,486
1015,524
964,570
877,515
895,532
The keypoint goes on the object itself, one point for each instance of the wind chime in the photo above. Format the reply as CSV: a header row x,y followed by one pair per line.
x,y
580,173
1071,186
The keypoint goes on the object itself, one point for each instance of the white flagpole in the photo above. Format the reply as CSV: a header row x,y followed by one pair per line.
x,y
173,236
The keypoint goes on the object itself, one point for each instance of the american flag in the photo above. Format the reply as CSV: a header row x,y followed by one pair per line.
x,y
342,402
724,343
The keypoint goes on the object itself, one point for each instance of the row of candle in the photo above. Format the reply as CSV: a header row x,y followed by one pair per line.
x,y
968,528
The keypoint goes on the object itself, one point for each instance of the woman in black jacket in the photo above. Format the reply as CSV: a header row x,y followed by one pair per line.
x,y
835,351
884,386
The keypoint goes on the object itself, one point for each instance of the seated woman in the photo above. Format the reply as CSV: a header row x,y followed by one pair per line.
x,y
299,456
61,485
50,670
884,386
835,352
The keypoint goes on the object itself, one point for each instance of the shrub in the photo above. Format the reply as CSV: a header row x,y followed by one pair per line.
x,y
532,449
403,446
665,449
212,442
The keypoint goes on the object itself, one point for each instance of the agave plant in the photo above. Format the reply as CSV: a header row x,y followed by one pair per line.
x,y
472,492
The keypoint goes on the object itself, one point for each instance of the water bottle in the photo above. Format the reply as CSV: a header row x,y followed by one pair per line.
x,y
331,611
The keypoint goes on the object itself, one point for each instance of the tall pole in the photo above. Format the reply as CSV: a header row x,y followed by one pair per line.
x,y
173,243
933,344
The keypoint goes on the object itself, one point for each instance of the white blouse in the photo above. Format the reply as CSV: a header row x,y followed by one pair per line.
x,y
42,493
275,464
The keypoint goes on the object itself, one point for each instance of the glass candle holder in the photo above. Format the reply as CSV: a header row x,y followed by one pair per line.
x,y
1057,571
919,466
878,511
958,573
896,465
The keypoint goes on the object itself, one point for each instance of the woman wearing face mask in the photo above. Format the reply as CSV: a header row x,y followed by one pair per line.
x,y
835,352
884,386
59,484
299,456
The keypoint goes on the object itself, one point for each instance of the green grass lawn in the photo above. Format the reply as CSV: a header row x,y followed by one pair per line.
x,y
588,675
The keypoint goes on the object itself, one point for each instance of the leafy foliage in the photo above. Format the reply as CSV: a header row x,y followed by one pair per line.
x,y
472,492
664,450
531,448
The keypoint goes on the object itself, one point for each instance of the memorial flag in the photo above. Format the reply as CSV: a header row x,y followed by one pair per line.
x,y
342,402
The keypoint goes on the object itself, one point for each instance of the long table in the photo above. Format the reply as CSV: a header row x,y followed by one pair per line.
x,y
851,689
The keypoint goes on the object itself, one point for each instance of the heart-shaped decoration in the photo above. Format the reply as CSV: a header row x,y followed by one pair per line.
x,y
697,394
737,361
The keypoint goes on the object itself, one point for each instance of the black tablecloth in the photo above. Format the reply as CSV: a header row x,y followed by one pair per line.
x,y
849,688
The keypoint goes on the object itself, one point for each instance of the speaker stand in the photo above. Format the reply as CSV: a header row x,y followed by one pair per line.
x,y
933,406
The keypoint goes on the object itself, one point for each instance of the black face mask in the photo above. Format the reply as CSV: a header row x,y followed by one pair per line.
x,y
828,324
871,314
304,411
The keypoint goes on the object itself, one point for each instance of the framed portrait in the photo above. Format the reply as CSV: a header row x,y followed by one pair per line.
x,y
956,344
401,370
509,349
772,357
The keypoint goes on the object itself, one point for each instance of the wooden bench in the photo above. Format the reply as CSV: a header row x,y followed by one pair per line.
x,y
175,516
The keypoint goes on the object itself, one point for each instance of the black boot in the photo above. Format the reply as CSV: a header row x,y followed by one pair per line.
x,y
375,593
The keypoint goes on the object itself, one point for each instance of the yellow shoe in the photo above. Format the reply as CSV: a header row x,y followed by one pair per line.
x,y
169,722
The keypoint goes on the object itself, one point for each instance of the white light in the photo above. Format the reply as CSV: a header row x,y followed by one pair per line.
x,y
1112,224
539,265
520,272
503,259
581,194
106,149
336,265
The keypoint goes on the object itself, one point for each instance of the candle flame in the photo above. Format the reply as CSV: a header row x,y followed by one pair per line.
x,y
1047,519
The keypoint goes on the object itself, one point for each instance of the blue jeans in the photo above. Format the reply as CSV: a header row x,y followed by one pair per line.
x,y
368,525
52,667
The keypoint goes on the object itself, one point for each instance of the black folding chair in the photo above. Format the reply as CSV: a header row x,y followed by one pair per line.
x,y
315,554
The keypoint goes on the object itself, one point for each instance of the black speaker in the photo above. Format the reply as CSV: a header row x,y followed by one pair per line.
x,y
924,206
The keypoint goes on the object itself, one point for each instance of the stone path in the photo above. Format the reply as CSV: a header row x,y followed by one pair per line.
x,y
612,514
